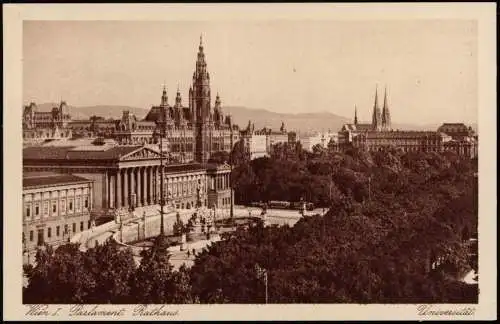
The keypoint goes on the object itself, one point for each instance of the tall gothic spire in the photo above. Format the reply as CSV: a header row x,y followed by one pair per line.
x,y
355,115
386,115
164,98
217,100
377,115
178,98
200,103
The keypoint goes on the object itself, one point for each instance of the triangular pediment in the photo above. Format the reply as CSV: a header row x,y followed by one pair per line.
x,y
143,153
224,165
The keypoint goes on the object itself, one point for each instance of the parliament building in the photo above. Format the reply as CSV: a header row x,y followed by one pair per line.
x,y
120,158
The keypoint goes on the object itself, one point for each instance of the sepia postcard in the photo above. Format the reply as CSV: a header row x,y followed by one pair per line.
x,y
249,161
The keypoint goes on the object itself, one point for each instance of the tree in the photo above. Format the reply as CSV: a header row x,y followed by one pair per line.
x,y
60,277
155,282
67,275
421,210
113,269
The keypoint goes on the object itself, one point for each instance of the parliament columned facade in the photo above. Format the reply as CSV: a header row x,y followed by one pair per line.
x,y
121,158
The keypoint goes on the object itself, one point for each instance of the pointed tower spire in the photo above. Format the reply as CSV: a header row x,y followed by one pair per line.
x,y
377,115
178,97
164,98
386,115
355,115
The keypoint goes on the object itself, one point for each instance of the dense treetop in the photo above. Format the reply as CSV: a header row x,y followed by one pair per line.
x,y
396,232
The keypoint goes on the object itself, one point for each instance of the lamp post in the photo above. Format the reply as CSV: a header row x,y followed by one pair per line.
x,y
262,274
25,249
162,199
231,208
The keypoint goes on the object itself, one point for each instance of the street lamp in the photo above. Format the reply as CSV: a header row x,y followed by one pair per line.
x,y
162,197
262,274
25,249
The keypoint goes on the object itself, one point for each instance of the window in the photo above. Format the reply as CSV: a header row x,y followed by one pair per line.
x,y
28,211
66,228
74,228
62,209
81,226
31,236
70,206
77,204
49,232
46,208
40,237
86,203
37,209
57,231
54,207
88,226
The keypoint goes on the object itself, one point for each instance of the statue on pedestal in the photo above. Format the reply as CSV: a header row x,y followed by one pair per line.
x,y
198,194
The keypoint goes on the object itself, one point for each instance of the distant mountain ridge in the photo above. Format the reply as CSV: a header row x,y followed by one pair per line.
x,y
303,123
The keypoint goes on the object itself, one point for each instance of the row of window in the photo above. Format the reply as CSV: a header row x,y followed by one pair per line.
x,y
180,189
41,134
189,205
34,209
58,233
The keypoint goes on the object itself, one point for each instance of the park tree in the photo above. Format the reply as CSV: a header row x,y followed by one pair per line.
x,y
113,269
59,277
156,282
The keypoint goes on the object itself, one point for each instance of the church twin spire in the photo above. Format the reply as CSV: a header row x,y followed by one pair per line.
x,y
377,114
386,115
381,119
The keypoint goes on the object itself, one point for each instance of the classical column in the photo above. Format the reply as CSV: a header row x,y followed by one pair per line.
x,y
118,189
105,190
144,187
126,191
111,190
133,192
154,183
157,184
139,187
147,199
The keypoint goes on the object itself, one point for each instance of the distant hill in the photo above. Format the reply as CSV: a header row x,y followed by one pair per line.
x,y
303,123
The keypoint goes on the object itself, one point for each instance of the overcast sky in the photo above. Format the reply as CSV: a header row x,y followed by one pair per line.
x,y
429,67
